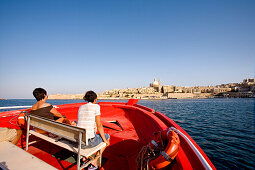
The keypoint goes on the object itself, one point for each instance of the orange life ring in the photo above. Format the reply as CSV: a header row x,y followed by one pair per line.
x,y
171,150
21,120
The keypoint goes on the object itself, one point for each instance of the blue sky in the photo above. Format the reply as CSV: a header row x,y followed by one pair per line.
x,y
75,46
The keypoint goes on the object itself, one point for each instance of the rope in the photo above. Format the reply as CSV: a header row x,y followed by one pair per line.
x,y
10,121
147,154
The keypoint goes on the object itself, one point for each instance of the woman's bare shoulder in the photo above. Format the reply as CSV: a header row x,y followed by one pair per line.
x,y
34,107
38,106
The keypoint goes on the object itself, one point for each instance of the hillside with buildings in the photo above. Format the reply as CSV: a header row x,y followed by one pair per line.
x,y
158,91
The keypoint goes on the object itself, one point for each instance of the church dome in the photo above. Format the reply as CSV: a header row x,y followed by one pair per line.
x,y
155,83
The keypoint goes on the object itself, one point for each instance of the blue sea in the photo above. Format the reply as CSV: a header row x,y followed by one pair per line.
x,y
224,128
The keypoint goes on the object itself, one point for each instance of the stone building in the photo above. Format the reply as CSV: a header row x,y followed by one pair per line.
x,y
157,90
249,81
156,85
168,89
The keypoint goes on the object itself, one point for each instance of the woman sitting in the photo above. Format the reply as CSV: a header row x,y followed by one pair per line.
x,y
89,118
43,109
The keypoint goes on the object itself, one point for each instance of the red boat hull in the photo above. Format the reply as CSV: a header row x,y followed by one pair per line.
x,y
131,126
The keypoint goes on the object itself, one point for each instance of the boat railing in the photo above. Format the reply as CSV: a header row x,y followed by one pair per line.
x,y
14,107
19,107
200,156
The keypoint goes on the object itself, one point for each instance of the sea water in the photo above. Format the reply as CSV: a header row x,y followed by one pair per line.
x,y
224,128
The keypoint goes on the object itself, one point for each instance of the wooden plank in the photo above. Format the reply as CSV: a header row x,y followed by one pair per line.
x,y
67,131
14,158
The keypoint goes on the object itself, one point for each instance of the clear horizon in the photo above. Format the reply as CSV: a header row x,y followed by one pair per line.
x,y
70,47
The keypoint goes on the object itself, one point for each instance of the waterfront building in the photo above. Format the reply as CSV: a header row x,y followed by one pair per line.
x,y
156,85
249,81
158,91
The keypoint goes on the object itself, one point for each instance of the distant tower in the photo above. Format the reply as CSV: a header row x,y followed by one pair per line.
x,y
159,85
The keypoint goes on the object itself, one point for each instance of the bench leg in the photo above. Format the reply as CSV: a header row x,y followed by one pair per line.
x,y
79,152
27,135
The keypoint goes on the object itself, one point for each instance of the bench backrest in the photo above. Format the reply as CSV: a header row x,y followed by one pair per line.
x,y
62,130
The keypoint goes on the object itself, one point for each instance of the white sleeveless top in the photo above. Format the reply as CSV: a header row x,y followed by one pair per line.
x,y
86,118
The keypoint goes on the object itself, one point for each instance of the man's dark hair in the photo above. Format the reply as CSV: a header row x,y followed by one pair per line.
x,y
39,93
90,96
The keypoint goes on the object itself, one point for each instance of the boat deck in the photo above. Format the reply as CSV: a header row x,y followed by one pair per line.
x,y
14,158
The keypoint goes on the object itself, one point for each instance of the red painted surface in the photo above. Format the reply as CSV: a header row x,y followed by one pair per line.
x,y
130,126
132,102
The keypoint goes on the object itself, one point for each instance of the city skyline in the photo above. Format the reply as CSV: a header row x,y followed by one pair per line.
x,y
156,90
71,47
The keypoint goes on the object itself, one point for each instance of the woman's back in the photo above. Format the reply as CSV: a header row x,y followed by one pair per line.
x,y
86,118
43,110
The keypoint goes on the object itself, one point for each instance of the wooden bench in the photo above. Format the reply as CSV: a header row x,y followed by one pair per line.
x,y
71,133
